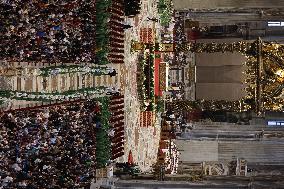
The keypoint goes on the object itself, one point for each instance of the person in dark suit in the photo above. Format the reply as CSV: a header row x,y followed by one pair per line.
x,y
127,26
113,73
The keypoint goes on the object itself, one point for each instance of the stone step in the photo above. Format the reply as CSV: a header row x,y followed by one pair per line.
x,y
252,151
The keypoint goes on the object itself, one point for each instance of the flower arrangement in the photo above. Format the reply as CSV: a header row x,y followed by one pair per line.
x,y
140,80
56,70
43,96
145,80
63,69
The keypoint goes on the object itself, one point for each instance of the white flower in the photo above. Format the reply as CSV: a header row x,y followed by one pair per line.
x,y
36,72
33,96
86,69
55,71
18,94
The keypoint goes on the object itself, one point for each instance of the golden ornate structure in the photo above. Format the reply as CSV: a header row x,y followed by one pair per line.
x,y
264,74
137,46
213,105
166,47
240,46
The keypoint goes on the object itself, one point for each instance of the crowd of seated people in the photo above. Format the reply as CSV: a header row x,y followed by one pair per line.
x,y
49,148
132,7
48,31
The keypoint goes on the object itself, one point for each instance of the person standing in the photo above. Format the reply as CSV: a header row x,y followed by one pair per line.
x,y
113,73
152,19
127,26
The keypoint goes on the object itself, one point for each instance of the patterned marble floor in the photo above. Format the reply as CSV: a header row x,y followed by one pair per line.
x,y
142,141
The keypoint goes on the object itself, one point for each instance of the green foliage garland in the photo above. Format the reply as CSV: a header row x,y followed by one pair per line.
x,y
102,36
103,147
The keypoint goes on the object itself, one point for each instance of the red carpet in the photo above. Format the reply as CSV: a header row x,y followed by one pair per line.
x,y
158,60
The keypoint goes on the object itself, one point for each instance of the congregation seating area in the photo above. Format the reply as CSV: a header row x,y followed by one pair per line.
x,y
41,31
53,147
132,7
62,31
